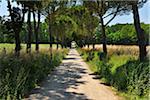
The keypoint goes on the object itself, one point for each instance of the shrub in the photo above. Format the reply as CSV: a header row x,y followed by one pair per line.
x,y
90,56
101,55
124,72
104,71
18,75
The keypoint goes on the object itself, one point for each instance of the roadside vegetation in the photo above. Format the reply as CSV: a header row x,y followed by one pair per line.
x,y
55,24
124,34
120,69
10,47
18,75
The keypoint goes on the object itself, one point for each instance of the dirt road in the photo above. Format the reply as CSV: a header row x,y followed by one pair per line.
x,y
72,80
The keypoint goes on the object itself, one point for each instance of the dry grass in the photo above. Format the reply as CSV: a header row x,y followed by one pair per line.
x,y
18,75
9,48
122,69
120,49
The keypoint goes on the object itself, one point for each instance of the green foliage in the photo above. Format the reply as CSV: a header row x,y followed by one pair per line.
x,y
8,37
125,35
133,78
90,56
122,34
124,72
19,75
86,24
63,27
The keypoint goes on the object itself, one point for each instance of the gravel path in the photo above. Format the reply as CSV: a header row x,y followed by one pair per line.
x,y
72,80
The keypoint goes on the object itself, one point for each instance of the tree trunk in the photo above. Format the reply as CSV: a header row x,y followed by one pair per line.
x,y
62,46
104,41
140,33
88,45
63,38
57,41
50,38
29,32
57,45
17,42
17,26
36,30
93,46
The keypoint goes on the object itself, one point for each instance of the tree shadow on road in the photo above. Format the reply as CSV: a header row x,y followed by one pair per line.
x,y
63,77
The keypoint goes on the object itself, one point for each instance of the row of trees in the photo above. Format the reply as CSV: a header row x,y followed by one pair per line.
x,y
116,34
101,7
32,8
17,16
125,34
72,18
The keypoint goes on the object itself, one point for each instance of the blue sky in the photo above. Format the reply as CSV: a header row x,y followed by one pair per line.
x,y
144,14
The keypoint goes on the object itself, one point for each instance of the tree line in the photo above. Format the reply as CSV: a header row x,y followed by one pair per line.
x,y
116,34
77,19
124,34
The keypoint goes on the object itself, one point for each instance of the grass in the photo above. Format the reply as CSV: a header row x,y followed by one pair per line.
x,y
18,75
122,70
120,49
117,61
10,47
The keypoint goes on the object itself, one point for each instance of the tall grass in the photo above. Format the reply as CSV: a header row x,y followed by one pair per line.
x,y
18,75
120,49
121,70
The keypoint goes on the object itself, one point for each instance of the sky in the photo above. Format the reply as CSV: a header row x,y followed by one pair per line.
x,y
144,14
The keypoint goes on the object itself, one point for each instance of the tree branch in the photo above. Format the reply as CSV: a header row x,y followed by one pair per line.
x,y
114,13
23,16
113,16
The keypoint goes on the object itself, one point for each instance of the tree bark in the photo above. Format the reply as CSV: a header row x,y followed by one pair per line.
x,y
29,32
17,34
93,46
36,30
57,41
88,45
17,26
140,33
62,46
62,41
104,41
57,46
50,38
17,42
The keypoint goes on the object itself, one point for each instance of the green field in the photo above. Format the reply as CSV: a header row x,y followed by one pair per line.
x,y
11,47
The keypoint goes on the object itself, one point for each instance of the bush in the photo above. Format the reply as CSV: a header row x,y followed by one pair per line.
x,y
18,75
104,71
124,72
101,55
133,78
90,56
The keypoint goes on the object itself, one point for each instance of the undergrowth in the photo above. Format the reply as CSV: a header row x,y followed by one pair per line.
x,y
124,72
18,75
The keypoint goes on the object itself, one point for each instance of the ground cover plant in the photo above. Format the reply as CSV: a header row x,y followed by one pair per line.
x,y
121,70
18,75
28,23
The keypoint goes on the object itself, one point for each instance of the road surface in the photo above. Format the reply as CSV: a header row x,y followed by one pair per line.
x,y
72,80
